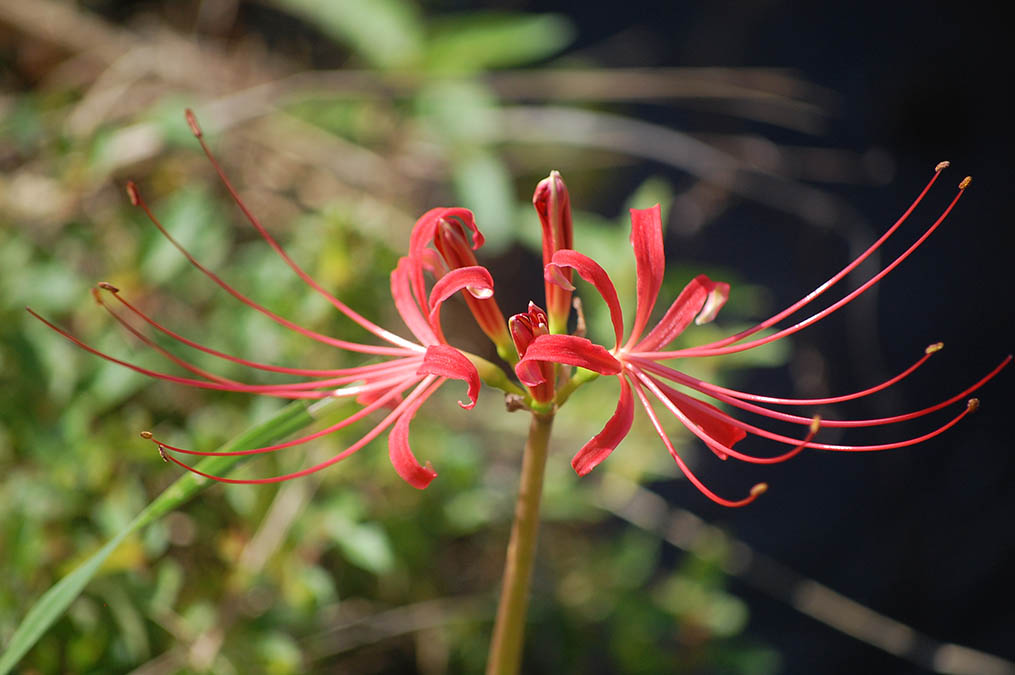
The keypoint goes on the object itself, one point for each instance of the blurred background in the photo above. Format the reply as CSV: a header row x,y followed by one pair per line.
x,y
780,138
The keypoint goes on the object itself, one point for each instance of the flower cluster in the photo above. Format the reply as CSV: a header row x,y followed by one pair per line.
x,y
548,361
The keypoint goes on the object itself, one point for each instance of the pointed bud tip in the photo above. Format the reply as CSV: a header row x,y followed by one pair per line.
x,y
941,166
133,193
106,286
195,128
147,435
759,489
936,347
965,182
972,404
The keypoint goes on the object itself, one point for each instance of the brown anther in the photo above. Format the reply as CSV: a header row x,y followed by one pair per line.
x,y
965,182
514,402
162,454
759,489
972,404
147,435
106,286
941,166
936,347
133,193
195,128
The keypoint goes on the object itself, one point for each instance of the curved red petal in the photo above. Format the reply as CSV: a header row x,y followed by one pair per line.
x,y
405,303
701,298
603,443
566,350
647,241
405,463
475,280
706,416
591,271
446,361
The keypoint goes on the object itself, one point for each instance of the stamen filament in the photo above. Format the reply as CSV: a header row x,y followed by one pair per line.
x,y
722,450
810,297
755,491
369,436
708,387
253,220
797,419
408,364
355,417
135,197
222,355
716,351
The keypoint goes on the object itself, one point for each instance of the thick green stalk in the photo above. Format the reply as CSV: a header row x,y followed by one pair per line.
x,y
509,630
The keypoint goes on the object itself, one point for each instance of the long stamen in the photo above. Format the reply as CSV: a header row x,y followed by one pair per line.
x,y
708,387
310,372
423,390
408,364
716,351
138,200
338,304
378,403
200,372
756,491
810,297
797,419
972,404
722,450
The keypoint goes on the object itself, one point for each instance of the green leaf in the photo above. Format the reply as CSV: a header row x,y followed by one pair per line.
x,y
384,33
55,601
477,42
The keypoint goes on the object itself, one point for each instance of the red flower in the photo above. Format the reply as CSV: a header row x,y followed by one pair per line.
x,y
637,361
418,368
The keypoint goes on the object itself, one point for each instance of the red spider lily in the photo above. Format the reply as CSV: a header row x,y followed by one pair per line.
x,y
636,361
418,368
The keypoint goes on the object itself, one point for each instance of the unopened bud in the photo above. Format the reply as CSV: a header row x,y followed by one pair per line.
x,y
553,205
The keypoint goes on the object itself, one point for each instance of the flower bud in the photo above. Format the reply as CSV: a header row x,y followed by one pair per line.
x,y
453,245
524,329
553,205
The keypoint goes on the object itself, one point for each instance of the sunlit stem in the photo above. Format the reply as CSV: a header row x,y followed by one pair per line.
x,y
509,629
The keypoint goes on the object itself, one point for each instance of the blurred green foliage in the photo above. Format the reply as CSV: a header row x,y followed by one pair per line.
x,y
349,568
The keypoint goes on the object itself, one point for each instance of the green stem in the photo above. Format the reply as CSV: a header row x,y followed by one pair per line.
x,y
509,630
